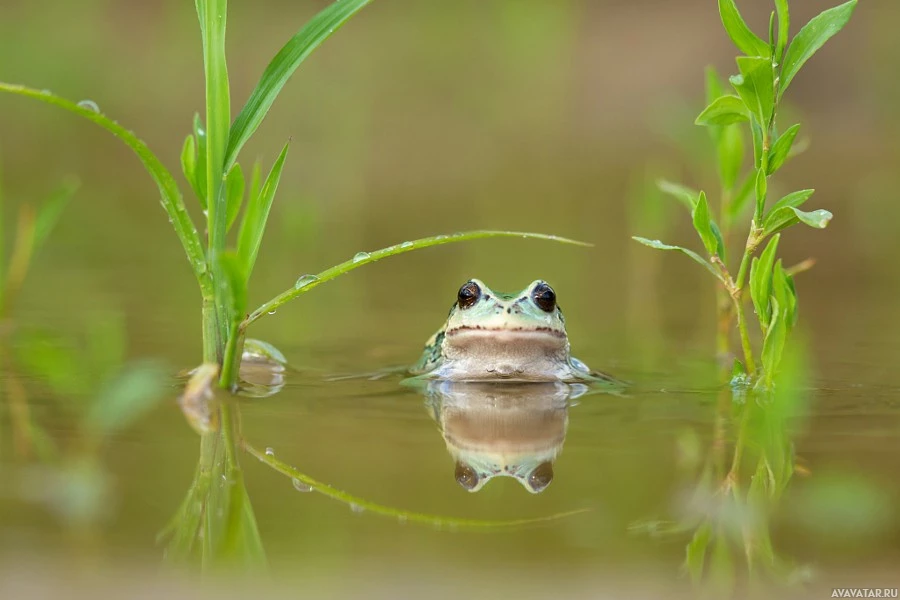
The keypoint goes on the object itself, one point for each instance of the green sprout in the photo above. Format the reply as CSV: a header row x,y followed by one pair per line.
x,y
209,161
765,70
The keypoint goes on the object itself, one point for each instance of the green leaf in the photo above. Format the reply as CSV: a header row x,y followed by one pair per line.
x,y
126,398
747,42
50,211
702,224
762,186
212,15
714,87
756,87
254,223
756,132
200,170
684,194
773,344
787,216
724,110
784,24
810,38
236,284
784,292
695,551
781,148
234,187
742,197
189,165
308,282
761,280
730,154
795,199
170,195
661,246
316,31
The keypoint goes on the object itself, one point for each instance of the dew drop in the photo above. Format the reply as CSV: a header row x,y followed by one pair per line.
x,y
90,105
356,508
304,281
270,452
271,312
406,245
361,256
300,486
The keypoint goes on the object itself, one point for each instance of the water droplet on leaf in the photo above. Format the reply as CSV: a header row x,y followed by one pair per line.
x,y
305,280
361,256
406,245
90,105
356,508
300,486
270,452
271,312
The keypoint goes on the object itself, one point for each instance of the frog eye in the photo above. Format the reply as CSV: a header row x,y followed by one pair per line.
x,y
468,294
466,476
544,296
541,477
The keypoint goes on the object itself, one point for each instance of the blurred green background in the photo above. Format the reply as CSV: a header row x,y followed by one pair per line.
x,y
421,118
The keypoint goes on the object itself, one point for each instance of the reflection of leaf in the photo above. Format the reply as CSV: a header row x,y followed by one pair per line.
x,y
696,551
360,504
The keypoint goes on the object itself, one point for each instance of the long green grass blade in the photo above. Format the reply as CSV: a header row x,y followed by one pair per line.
x,y
169,193
213,16
2,252
307,483
257,214
283,66
308,282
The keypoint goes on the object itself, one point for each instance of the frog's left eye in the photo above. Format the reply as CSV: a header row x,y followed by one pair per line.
x,y
541,477
468,294
544,296
466,476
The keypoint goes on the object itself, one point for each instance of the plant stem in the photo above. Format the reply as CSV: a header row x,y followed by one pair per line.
x,y
749,362
210,330
231,361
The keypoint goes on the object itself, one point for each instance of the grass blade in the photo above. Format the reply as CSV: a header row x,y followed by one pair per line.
x,y
169,193
257,214
213,16
316,31
308,282
234,194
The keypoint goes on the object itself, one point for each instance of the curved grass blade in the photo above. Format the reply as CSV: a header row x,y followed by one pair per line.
x,y
661,246
169,193
299,479
308,282
316,31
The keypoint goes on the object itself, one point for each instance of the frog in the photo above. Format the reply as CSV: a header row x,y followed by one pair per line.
x,y
496,336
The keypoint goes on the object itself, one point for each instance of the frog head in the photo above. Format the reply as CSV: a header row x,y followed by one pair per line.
x,y
492,335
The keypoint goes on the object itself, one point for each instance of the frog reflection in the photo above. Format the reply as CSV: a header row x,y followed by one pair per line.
x,y
502,430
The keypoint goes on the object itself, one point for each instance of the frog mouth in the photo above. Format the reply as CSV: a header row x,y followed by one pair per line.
x,y
499,332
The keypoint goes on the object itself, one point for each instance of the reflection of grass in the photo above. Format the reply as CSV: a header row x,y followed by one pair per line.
x,y
356,503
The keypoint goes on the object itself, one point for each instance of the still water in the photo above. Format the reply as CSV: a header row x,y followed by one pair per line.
x,y
404,127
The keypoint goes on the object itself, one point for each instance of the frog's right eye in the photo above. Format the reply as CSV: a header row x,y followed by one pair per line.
x,y
468,294
466,476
